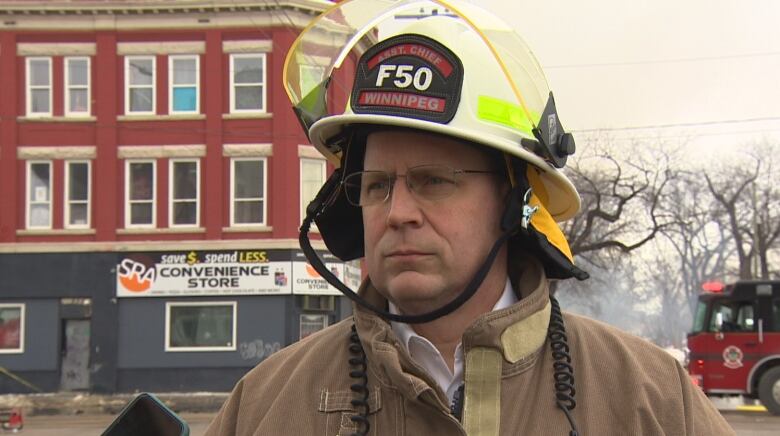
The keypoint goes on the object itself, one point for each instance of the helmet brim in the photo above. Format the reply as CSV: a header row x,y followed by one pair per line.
x,y
561,197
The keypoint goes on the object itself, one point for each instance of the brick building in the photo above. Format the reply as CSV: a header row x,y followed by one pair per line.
x,y
152,181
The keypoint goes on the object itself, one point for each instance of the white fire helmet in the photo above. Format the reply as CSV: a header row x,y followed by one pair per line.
x,y
446,67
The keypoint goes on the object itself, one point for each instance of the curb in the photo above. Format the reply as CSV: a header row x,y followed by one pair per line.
x,y
756,408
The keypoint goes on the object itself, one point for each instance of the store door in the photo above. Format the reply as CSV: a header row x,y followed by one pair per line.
x,y
75,355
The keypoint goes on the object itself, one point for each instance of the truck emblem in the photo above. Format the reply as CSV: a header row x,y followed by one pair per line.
x,y
732,357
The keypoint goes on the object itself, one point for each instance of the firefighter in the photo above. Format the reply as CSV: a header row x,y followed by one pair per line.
x,y
448,185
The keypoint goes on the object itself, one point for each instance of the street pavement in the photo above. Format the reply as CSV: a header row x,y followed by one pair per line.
x,y
744,423
85,415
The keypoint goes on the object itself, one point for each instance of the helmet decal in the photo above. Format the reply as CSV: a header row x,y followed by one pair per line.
x,y
410,76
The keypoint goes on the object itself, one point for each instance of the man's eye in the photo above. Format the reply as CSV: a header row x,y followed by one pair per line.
x,y
437,180
376,186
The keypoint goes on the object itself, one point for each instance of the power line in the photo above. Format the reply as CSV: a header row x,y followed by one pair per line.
x,y
664,61
693,136
674,125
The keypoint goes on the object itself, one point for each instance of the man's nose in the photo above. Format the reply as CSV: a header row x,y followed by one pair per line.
x,y
404,208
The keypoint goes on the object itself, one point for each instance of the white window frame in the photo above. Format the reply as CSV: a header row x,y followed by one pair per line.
x,y
171,85
128,223
28,194
170,304
323,317
29,87
171,200
233,191
233,57
323,164
153,85
68,86
68,201
22,321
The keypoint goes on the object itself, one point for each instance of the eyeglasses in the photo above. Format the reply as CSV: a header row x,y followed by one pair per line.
x,y
429,182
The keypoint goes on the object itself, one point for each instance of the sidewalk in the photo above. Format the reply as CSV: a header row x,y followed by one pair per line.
x,y
74,403
737,403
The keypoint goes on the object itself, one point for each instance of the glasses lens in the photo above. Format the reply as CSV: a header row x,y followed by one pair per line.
x,y
367,187
432,182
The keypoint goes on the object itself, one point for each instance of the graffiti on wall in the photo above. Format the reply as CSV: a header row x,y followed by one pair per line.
x,y
258,349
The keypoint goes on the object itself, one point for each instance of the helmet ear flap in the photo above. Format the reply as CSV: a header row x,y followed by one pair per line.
x,y
341,227
340,223
537,232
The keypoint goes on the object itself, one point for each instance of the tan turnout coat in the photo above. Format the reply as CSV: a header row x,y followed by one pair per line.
x,y
624,384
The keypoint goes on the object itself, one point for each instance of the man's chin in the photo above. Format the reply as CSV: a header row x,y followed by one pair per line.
x,y
417,297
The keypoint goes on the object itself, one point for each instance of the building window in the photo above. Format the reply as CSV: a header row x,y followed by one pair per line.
x,y
247,83
39,195
183,73
140,185
77,189
38,87
139,84
312,323
184,191
312,179
247,191
319,302
775,327
200,326
11,328
77,74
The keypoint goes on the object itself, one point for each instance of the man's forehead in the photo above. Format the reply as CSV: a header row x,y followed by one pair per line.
x,y
413,145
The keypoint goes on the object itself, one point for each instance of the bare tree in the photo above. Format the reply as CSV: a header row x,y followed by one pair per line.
x,y
622,201
729,193
701,247
747,197
671,319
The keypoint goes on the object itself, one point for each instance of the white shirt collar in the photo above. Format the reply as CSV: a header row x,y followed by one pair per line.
x,y
427,355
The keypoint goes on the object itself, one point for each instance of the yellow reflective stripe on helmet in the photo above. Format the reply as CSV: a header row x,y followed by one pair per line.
x,y
505,113
482,407
496,56
541,220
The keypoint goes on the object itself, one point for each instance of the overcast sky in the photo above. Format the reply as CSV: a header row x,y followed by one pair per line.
x,y
623,63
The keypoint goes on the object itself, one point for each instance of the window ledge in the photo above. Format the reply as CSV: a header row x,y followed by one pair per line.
x,y
70,119
54,232
154,230
199,349
247,229
247,115
169,117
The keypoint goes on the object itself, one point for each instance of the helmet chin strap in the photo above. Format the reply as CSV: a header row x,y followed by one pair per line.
x,y
318,204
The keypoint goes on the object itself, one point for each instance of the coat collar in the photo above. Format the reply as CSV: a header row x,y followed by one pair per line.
x,y
517,332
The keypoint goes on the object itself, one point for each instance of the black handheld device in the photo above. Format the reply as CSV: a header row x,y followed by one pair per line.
x,y
146,415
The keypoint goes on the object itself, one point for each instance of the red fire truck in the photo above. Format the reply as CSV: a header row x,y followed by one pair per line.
x,y
734,348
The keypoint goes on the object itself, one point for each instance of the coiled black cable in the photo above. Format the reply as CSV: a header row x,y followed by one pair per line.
x,y
563,371
359,372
